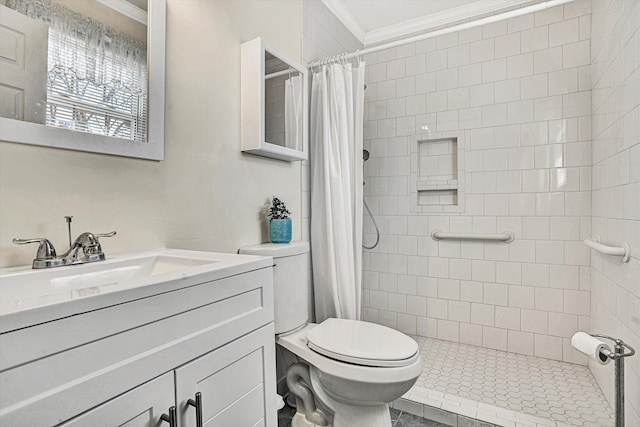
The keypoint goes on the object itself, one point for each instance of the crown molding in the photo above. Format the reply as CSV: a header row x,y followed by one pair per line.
x,y
440,19
336,7
432,21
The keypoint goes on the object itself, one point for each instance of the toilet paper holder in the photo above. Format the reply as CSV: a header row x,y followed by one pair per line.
x,y
618,355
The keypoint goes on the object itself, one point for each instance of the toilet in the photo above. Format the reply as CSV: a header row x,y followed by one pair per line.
x,y
348,370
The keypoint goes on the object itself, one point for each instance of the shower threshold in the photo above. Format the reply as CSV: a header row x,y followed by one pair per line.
x,y
495,387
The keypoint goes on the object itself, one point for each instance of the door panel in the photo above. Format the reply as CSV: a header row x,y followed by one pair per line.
x,y
23,66
140,407
237,383
237,378
246,411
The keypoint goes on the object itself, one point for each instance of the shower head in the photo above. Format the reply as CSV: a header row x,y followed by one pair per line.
x,y
365,155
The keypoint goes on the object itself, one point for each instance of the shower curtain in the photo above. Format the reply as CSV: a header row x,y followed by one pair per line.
x,y
293,112
337,106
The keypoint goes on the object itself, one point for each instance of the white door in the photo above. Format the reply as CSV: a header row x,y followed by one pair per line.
x,y
141,407
23,66
237,383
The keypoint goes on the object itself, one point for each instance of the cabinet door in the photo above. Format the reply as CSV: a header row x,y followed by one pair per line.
x,y
141,407
237,383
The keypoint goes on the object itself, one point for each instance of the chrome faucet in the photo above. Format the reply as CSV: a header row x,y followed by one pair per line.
x,y
86,248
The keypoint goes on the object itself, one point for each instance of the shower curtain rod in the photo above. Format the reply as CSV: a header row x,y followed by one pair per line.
x,y
290,70
483,21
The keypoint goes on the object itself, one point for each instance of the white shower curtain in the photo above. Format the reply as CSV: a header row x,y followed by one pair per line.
x,y
293,112
337,106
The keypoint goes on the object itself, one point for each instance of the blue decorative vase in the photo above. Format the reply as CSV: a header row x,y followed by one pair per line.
x,y
280,230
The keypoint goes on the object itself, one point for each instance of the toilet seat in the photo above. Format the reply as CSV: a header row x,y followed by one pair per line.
x,y
362,343
297,343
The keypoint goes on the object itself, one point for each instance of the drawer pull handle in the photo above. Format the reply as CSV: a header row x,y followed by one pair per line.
x,y
171,418
198,405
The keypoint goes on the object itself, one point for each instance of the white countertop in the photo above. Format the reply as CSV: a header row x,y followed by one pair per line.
x,y
29,297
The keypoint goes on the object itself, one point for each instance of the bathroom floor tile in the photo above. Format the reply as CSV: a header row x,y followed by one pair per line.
x,y
408,420
398,419
285,415
395,414
509,387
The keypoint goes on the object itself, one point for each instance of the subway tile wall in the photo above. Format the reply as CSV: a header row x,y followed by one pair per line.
x,y
519,91
615,77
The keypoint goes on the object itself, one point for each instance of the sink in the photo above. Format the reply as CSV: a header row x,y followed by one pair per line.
x,y
24,290
32,288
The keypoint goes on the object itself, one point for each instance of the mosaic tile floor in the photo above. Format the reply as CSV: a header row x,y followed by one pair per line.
x,y
398,419
476,380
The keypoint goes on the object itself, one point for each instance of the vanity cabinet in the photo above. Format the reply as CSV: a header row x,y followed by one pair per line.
x,y
230,380
127,364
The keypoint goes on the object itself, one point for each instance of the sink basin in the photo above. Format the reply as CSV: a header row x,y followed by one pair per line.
x,y
23,289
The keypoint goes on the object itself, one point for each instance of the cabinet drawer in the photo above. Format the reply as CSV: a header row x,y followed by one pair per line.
x,y
33,343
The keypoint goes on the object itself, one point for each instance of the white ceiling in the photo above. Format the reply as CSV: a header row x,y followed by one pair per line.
x,y
374,21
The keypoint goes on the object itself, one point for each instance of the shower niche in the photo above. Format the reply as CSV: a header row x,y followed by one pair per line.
x,y
437,183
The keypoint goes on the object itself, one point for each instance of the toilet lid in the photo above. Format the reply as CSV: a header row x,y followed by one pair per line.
x,y
362,343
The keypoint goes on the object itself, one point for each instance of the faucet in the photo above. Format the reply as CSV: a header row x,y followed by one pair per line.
x,y
86,248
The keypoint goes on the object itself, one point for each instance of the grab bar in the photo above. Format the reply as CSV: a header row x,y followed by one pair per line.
x,y
624,251
505,236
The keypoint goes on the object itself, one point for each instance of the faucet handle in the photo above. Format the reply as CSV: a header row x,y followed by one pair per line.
x,y
111,234
89,242
45,250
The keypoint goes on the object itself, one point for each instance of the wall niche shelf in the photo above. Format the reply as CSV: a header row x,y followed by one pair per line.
x,y
437,172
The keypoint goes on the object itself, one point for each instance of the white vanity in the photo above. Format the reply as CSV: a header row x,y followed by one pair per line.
x,y
133,339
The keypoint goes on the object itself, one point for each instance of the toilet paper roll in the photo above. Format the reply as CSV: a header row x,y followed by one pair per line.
x,y
590,346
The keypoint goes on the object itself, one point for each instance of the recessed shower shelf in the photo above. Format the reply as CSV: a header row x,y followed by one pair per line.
x,y
436,184
437,173
450,184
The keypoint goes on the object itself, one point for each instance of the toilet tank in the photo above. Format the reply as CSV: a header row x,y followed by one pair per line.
x,y
291,282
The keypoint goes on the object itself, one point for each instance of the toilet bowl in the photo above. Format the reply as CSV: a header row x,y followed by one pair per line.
x,y
348,370
356,368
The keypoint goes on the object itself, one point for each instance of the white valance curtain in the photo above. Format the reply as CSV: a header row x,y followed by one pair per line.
x,y
337,108
88,48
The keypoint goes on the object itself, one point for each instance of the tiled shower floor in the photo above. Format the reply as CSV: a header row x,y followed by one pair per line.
x,y
496,385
